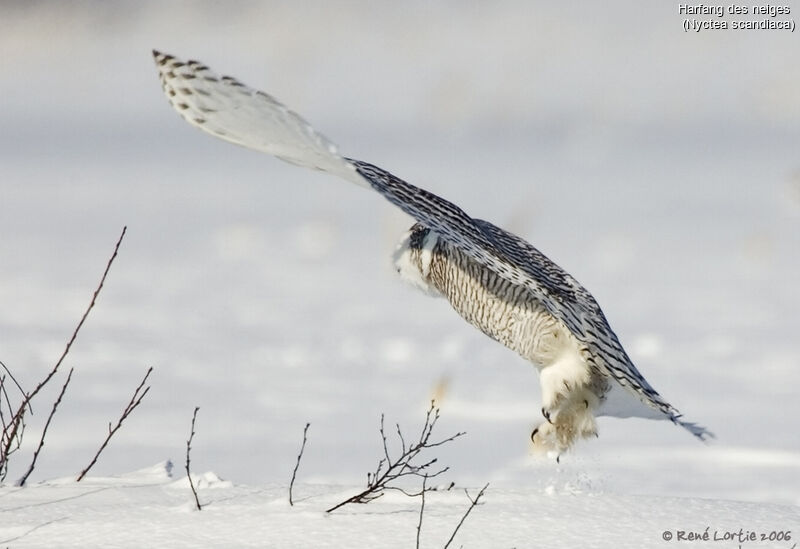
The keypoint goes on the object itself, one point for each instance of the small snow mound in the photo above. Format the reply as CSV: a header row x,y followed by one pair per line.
x,y
160,471
155,474
203,481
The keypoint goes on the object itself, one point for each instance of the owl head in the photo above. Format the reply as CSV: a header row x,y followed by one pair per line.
x,y
412,258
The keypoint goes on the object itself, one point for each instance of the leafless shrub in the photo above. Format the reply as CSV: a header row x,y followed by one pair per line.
x,y
390,471
188,461
136,399
12,417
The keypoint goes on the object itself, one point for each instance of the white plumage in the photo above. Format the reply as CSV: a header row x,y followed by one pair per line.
x,y
495,280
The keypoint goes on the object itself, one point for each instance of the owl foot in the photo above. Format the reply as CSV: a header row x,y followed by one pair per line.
x,y
563,427
543,438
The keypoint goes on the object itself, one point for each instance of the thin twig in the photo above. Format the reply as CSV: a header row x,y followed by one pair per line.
x,y
297,465
14,427
136,399
83,318
10,375
390,470
3,398
473,504
421,507
12,438
13,430
189,449
24,477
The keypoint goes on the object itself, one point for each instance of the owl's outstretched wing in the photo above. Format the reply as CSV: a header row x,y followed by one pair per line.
x,y
226,108
514,259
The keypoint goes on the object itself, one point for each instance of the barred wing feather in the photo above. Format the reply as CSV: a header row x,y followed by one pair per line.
x,y
230,110
226,108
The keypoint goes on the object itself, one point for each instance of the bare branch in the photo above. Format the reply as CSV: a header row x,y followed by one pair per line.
x,y
12,440
136,399
385,445
188,461
389,471
24,477
400,436
297,465
473,504
10,375
83,318
421,507
14,428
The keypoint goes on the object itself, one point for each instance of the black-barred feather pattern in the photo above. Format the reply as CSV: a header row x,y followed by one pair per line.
x,y
488,262
516,260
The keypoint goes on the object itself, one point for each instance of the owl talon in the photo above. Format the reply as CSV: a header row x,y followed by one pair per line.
x,y
546,415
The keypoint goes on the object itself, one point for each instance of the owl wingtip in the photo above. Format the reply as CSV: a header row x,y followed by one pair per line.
x,y
161,58
697,430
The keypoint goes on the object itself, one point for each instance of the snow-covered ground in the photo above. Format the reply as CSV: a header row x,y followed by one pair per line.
x,y
149,508
660,168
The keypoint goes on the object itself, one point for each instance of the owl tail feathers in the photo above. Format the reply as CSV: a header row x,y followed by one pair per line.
x,y
226,108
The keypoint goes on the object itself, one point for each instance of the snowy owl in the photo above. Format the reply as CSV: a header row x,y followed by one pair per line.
x,y
495,280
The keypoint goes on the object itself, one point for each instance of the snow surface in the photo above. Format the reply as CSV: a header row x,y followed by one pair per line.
x,y
150,508
660,168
